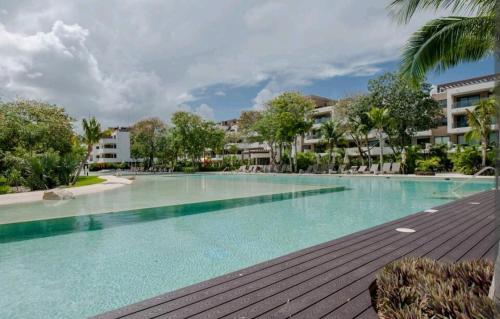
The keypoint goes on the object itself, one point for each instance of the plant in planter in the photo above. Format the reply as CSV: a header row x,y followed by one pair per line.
x,y
428,166
424,288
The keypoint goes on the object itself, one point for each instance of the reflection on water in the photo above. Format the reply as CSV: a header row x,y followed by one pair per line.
x,y
65,225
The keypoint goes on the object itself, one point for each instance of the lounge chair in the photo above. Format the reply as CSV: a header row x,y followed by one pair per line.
x,y
386,168
395,168
362,169
242,169
342,169
309,169
374,169
353,169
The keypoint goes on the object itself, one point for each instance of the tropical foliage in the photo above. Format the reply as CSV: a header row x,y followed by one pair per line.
x,y
381,121
447,41
332,132
38,148
480,121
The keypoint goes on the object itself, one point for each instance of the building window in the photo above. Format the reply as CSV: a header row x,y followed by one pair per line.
x,y
461,139
97,147
441,140
443,121
461,121
465,101
109,145
493,139
423,141
108,155
322,119
443,103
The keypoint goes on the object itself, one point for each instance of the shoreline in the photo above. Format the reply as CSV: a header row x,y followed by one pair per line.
x,y
111,182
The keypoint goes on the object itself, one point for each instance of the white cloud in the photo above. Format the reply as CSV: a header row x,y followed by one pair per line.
x,y
88,58
205,112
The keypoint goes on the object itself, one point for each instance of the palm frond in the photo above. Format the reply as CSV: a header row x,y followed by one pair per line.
x,y
403,10
446,42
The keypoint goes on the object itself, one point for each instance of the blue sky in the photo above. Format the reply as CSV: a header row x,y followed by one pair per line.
x,y
237,99
213,58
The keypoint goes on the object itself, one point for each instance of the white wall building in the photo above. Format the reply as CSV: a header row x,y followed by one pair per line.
x,y
113,149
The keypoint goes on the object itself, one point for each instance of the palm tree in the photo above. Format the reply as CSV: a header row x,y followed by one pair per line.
x,y
380,119
333,132
448,41
480,121
91,135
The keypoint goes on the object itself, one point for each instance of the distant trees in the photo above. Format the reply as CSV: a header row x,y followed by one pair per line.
x,y
411,108
189,137
146,136
284,119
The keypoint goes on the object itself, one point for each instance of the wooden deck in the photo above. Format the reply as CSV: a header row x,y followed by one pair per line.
x,y
331,280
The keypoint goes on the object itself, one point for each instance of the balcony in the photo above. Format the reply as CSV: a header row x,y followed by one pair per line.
x,y
467,101
320,120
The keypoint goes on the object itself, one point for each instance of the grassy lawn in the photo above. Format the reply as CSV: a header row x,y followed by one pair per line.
x,y
88,180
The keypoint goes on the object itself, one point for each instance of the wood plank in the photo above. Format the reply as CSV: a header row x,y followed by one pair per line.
x,y
309,284
321,301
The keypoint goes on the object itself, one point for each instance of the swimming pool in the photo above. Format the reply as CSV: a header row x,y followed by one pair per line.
x,y
167,232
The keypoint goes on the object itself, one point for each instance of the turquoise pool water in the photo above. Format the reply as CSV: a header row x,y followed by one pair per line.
x,y
88,262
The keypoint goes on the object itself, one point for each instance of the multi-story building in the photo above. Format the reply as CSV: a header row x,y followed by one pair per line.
x,y
465,95
258,153
455,98
323,112
113,149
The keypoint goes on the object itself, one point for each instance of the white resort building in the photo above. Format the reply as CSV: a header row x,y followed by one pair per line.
x,y
113,149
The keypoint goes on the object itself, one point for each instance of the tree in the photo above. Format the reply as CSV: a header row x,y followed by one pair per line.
x,y
196,135
145,138
333,132
34,126
480,121
91,135
353,113
287,116
448,41
411,108
247,121
380,119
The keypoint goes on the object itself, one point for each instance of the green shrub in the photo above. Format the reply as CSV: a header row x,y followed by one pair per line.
x,y
412,156
4,188
424,288
466,160
441,151
100,166
428,165
189,169
305,159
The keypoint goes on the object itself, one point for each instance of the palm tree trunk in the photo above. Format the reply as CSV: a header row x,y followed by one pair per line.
x,y
483,153
369,151
89,150
330,151
380,141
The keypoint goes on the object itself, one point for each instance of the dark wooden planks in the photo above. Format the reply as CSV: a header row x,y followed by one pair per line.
x,y
331,279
